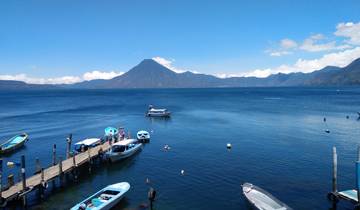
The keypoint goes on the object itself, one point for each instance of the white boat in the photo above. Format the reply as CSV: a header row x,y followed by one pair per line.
x,y
152,112
104,199
143,136
123,149
261,199
86,144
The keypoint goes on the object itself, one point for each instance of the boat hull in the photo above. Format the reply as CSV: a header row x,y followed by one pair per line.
x,y
113,157
121,188
261,199
9,146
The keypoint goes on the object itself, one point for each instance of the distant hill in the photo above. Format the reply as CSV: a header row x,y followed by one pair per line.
x,y
150,74
16,85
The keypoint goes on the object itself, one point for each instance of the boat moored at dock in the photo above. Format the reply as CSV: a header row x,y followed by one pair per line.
x,y
13,143
104,199
123,149
143,136
85,144
261,199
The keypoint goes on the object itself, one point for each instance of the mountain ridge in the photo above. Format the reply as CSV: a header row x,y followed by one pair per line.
x,y
150,74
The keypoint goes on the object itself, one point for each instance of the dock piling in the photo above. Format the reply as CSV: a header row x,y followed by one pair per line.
x,y
68,148
23,179
54,154
89,159
10,180
1,170
61,173
37,166
358,176
151,197
334,179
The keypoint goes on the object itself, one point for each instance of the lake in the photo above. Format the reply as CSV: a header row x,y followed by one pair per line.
x,y
277,134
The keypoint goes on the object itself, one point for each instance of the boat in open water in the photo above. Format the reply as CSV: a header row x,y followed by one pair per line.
x,y
152,112
104,199
13,143
123,149
261,199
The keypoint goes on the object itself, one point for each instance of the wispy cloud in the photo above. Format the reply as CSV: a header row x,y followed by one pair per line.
x,y
349,32
62,80
168,63
340,59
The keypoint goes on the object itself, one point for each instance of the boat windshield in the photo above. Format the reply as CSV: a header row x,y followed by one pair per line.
x,y
77,147
118,148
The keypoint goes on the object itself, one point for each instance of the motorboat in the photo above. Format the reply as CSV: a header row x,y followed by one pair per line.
x,y
152,112
143,136
85,144
13,143
261,199
111,131
104,199
123,149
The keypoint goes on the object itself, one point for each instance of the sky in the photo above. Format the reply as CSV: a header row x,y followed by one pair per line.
x,y
67,41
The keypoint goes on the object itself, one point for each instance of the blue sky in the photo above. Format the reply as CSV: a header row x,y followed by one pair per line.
x,y
47,40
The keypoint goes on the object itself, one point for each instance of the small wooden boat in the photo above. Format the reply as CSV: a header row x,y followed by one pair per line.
x,y
152,112
123,149
143,136
13,143
104,199
111,131
85,144
261,199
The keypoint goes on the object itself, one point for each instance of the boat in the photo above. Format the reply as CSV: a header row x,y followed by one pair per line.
x,y
123,149
104,199
261,199
85,144
143,136
152,112
111,131
13,143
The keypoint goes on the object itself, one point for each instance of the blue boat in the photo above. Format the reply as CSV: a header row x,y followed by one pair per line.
x,y
111,131
104,199
13,143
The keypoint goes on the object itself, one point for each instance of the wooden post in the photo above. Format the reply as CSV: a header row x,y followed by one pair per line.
x,y
10,180
54,154
358,176
60,171
151,197
89,160
334,179
68,148
23,178
74,168
37,166
43,184
1,170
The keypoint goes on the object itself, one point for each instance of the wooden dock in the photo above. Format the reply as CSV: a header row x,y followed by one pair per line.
x,y
39,180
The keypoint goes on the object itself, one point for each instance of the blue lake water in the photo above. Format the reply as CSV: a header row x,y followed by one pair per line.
x,y
277,136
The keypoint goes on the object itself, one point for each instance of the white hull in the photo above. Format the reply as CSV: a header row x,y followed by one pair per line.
x,y
122,155
107,204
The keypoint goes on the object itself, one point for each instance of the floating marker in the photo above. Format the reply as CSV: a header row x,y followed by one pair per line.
x,y
228,145
147,180
182,172
327,131
347,117
324,119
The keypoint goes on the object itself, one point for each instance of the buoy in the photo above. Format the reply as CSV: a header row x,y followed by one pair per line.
x,y
347,117
147,181
167,147
10,164
327,131
182,172
324,119
228,145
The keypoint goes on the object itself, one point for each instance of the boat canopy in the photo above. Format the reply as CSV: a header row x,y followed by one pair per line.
x,y
111,131
157,110
125,142
142,132
88,142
